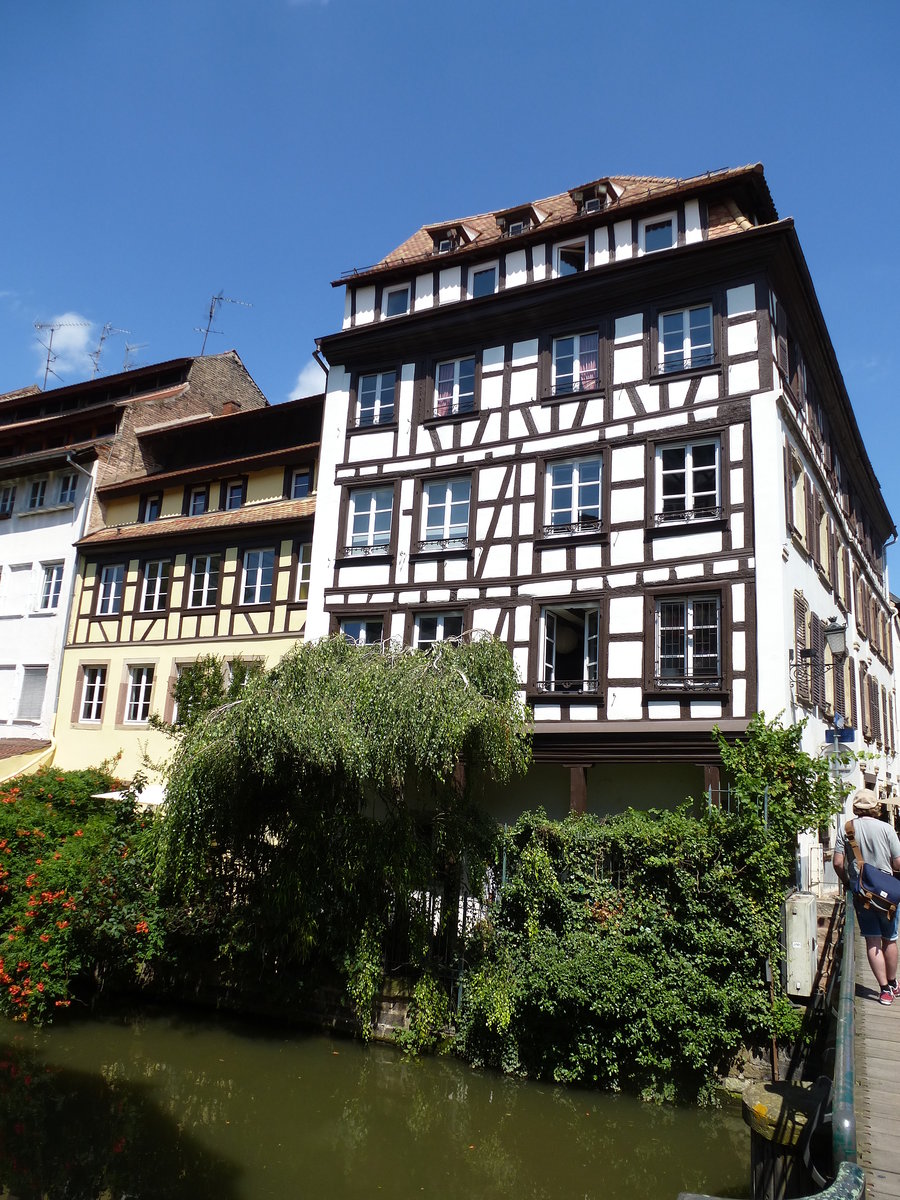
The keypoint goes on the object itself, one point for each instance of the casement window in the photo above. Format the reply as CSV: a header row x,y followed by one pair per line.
x,y
376,398
573,495
436,627
93,691
204,591
301,482
109,598
37,494
571,258
688,481
445,512
198,501
454,390
259,570
657,233
370,520
686,339
483,281
68,486
7,500
151,507
396,301
570,658
155,592
363,631
140,688
235,493
51,587
304,563
688,642
575,364
31,697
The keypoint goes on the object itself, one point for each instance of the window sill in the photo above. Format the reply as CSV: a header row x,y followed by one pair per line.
x,y
693,525
440,549
685,373
372,426
565,690
45,509
571,537
44,612
686,688
365,554
568,397
451,418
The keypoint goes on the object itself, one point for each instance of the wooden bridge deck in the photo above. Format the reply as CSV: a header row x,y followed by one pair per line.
x,y
877,1100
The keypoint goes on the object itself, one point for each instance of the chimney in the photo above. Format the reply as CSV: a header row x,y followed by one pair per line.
x,y
230,407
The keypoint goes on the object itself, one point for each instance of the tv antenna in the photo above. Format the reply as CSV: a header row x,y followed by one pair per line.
x,y
213,308
108,331
40,326
128,363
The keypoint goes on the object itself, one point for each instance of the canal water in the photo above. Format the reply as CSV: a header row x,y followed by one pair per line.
x,y
162,1106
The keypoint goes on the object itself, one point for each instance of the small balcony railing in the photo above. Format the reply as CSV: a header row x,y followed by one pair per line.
x,y
584,687
706,512
450,543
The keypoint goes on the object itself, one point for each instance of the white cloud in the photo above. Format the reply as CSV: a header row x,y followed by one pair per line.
x,y
71,348
310,381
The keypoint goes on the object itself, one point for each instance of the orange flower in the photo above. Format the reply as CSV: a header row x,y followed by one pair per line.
x,y
61,924
142,927
45,937
78,833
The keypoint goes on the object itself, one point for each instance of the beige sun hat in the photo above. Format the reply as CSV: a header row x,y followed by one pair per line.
x,y
865,802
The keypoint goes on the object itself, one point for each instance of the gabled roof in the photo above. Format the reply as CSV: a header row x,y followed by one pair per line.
x,y
632,192
274,512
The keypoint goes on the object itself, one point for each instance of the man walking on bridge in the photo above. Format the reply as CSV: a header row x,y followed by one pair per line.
x,y
879,846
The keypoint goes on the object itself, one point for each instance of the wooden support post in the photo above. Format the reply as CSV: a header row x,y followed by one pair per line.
x,y
577,790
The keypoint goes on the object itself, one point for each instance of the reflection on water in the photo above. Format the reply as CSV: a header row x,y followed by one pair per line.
x,y
163,1107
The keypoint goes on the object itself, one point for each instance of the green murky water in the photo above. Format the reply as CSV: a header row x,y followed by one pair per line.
x,y
160,1106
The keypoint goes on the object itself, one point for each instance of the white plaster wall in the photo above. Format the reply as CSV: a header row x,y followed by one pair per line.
x,y
625,660
492,359
449,285
687,545
424,292
626,546
693,230
523,387
740,300
628,364
539,262
365,305
325,529
626,614
743,376
624,704
742,338
367,446
627,463
516,269
626,504
622,234
348,306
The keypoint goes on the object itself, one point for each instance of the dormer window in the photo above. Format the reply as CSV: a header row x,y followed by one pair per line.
x,y
594,204
517,227
446,241
513,221
571,258
657,233
593,197
396,301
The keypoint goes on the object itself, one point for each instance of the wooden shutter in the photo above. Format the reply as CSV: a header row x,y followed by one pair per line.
x,y
884,716
864,706
851,679
788,488
891,724
840,690
810,514
874,713
845,579
801,663
817,662
833,557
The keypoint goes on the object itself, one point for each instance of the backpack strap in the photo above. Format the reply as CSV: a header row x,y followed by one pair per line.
x,y
850,834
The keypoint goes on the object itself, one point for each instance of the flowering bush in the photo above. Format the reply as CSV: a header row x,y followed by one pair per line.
x,y
75,897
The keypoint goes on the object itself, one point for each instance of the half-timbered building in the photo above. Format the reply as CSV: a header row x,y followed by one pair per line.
x,y
205,551
609,427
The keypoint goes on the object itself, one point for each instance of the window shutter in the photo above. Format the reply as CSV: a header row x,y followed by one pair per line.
x,y
845,580
884,716
788,489
874,715
840,691
864,706
31,698
811,530
817,663
851,677
832,556
891,724
801,664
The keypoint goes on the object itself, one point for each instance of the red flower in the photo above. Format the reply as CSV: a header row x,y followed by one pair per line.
x,y
61,924
142,927
78,833
45,937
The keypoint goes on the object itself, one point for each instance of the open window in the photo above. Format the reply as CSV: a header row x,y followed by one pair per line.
x,y
570,659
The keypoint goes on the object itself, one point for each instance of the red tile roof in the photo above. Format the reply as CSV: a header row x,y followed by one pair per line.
x,y
271,512
10,747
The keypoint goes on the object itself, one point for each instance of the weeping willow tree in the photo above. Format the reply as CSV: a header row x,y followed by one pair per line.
x,y
305,820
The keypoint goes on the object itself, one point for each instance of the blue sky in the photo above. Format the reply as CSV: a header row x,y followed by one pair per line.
x,y
154,154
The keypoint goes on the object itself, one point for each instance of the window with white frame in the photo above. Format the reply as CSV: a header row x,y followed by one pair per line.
x,y
109,597
571,258
140,688
301,482
396,301
686,338
151,507
570,658
483,281
575,364
573,495
37,493
31,697
234,493
7,499
51,587
454,387
436,627
304,563
688,481
657,233
204,590
93,691
198,502
376,398
155,592
68,486
364,631
259,570
370,520
445,512
688,641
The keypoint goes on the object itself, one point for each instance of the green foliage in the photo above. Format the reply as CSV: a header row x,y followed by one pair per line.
x,y
342,783
201,687
625,953
802,793
75,898
364,977
429,1018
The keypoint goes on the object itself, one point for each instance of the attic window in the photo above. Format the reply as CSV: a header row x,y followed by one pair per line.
x,y
592,198
517,227
445,242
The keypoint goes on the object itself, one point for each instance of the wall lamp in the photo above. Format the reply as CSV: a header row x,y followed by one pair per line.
x,y
835,636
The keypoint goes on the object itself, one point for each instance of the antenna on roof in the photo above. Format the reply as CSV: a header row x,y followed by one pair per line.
x,y
48,345
108,331
213,306
127,363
